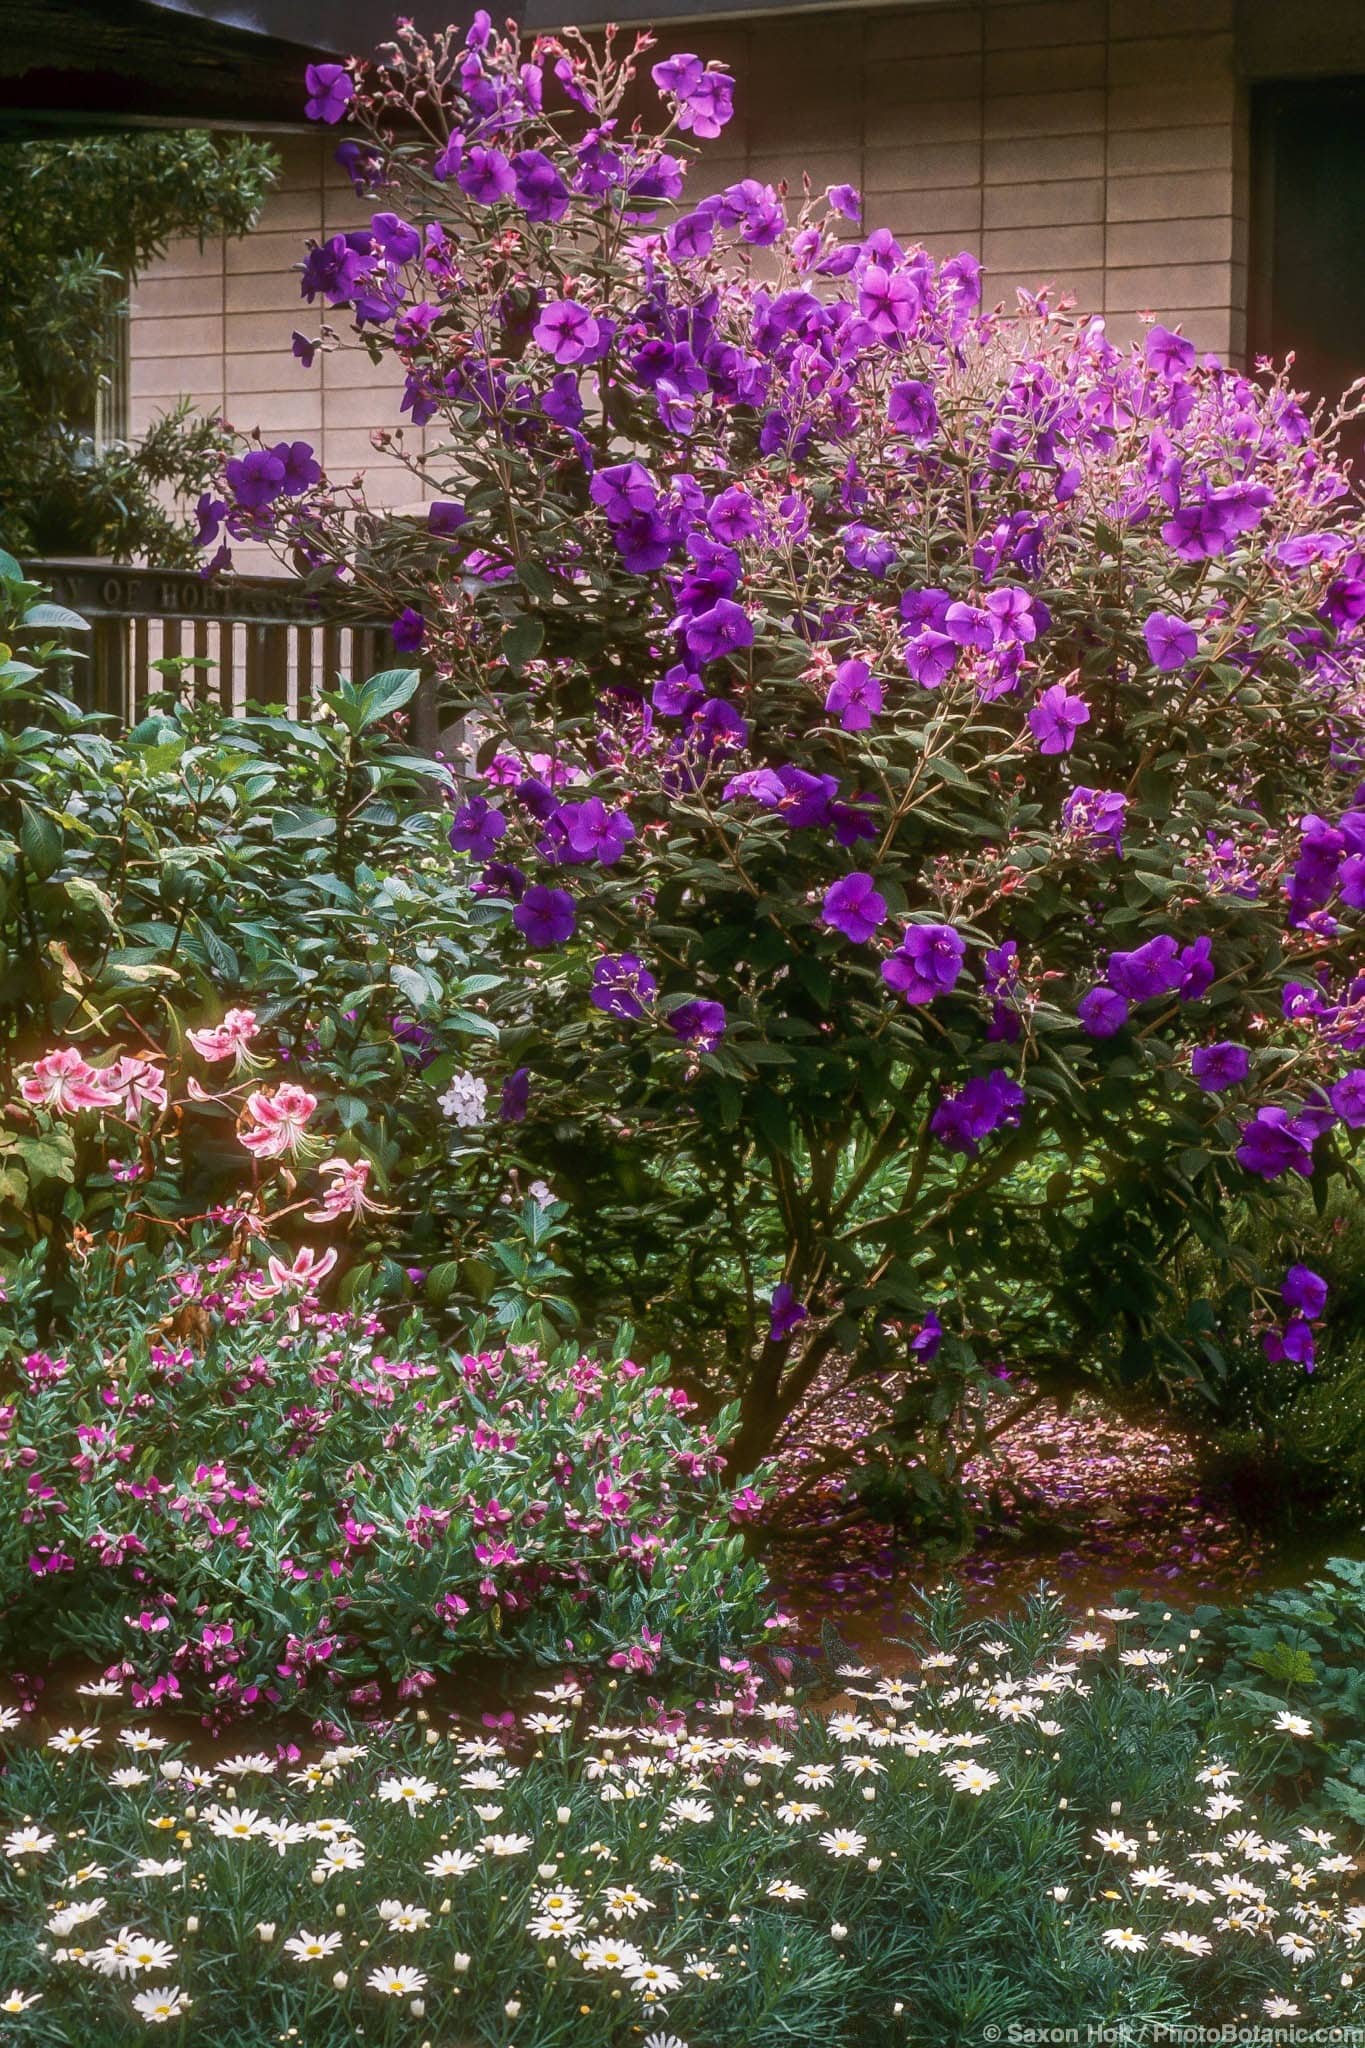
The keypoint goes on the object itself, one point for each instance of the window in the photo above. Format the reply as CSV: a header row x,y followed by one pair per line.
x,y
1308,231
111,403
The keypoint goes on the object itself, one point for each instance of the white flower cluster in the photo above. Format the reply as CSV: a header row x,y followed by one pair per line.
x,y
465,1100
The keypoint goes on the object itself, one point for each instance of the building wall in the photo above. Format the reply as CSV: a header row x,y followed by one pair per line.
x,y
1097,145
215,324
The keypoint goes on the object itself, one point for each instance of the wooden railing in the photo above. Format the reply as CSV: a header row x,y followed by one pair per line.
x,y
263,640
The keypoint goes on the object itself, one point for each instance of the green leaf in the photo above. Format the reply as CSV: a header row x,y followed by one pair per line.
x,y
303,823
56,615
386,693
50,1155
40,841
522,642
413,984
442,1281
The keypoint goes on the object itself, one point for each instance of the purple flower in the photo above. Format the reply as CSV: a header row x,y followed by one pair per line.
x,y
1196,970
979,1107
1170,641
698,1022
330,90
335,267
594,832
676,692
477,828
911,410
785,1313
1096,814
678,75
705,98
1276,1142
889,301
1304,1292
209,513
1169,353
1018,618
1102,1012
418,1043
854,906
865,548
301,467
930,657
845,199
1347,1097
566,331
970,625
397,240
516,1096
732,516
1216,1067
500,878
621,986
485,176
855,696
1292,1344
408,630
541,192
362,163
927,963
546,917
1321,851
924,1342
805,799
1148,971
303,348
445,518
1056,719
255,479
724,629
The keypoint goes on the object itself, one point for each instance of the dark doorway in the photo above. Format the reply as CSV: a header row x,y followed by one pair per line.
x,y
1308,232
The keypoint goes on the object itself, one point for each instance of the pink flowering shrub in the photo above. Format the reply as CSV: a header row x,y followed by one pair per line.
x,y
236,1497
920,748
159,884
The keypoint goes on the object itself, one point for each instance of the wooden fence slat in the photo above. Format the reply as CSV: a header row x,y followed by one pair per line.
x,y
140,676
227,665
331,657
199,647
303,642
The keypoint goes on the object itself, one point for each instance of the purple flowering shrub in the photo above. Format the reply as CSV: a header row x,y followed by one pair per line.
x,y
920,748
240,1498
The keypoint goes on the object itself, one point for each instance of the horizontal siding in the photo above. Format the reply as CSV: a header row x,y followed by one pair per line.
x,y
1096,146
